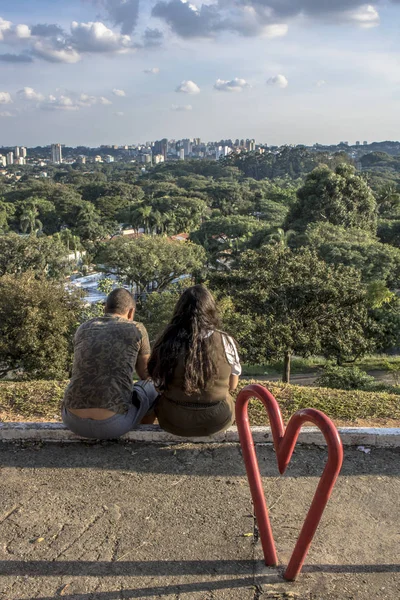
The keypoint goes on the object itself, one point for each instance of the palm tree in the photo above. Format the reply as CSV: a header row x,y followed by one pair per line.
x,y
71,241
29,220
388,198
281,237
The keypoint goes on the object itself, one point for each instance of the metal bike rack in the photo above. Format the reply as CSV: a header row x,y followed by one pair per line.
x,y
284,443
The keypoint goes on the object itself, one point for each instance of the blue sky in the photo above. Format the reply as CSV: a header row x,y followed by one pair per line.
x,y
95,72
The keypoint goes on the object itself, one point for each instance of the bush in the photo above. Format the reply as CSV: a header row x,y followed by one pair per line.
x,y
38,318
345,378
40,401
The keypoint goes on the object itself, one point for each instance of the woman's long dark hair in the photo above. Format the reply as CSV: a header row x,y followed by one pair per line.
x,y
195,315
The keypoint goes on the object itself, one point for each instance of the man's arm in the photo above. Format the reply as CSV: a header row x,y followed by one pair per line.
x,y
141,366
143,354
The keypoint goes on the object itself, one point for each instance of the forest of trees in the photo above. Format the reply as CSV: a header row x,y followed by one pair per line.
x,y
300,248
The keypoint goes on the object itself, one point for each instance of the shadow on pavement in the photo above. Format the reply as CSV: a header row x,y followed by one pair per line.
x,y
168,568
191,459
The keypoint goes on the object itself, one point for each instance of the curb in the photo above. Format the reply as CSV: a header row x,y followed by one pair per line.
x,y
56,432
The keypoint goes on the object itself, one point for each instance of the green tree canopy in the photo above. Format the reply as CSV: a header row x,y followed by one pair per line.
x,y
150,262
42,255
37,320
355,248
283,302
340,197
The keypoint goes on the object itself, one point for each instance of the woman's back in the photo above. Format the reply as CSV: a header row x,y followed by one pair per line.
x,y
192,367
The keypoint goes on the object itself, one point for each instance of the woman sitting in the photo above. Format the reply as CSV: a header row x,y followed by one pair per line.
x,y
194,366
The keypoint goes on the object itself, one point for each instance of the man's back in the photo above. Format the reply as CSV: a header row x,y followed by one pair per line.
x,y
105,354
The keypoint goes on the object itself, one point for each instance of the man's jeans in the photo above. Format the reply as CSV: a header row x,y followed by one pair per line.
x,y
144,400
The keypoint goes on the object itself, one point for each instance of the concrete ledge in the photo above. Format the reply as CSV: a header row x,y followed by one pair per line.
x,y
56,432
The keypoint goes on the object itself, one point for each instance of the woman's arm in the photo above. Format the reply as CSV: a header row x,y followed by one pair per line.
x,y
233,382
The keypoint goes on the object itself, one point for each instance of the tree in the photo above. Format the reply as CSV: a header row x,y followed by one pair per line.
x,y
281,237
149,263
355,248
224,237
37,320
284,302
89,225
340,197
44,255
29,220
71,241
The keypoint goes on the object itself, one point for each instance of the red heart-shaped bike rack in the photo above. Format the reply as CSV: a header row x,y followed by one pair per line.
x,y
284,442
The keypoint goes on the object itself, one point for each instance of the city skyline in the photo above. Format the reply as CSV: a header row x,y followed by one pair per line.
x,y
123,70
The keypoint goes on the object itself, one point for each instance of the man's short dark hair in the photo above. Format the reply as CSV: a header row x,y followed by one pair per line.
x,y
120,301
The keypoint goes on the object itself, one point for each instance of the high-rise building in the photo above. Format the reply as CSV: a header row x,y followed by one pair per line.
x,y
197,141
160,147
252,145
23,151
10,158
365,143
16,152
187,146
109,158
98,159
56,153
3,160
20,160
182,154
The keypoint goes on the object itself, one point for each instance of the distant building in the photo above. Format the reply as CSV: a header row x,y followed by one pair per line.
x,y
16,152
365,143
98,159
23,152
20,160
3,160
182,154
109,158
56,153
10,158
81,159
357,143
158,158
187,146
161,147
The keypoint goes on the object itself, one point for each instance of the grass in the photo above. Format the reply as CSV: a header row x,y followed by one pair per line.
x,y
40,401
374,362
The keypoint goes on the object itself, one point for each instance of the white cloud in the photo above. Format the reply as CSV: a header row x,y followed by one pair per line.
x,y
152,71
104,100
86,100
119,114
6,114
55,51
365,16
10,33
96,37
61,103
275,30
118,92
234,85
28,93
188,87
278,81
5,98
320,83
181,108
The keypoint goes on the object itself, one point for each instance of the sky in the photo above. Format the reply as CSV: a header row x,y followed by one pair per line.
x,y
91,72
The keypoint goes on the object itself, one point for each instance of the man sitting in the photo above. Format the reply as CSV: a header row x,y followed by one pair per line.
x,y
101,401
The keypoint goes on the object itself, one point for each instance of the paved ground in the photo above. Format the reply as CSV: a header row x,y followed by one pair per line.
x,y
115,521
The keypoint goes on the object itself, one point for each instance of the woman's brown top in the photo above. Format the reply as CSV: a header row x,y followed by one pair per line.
x,y
205,412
